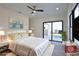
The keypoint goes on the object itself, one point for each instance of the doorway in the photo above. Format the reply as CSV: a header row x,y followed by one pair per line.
x,y
52,30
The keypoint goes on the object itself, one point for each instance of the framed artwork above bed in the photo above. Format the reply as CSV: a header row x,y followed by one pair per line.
x,y
15,23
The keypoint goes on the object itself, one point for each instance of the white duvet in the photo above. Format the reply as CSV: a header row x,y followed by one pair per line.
x,y
39,45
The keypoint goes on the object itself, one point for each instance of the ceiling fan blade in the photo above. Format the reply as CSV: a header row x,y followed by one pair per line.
x,y
40,10
30,7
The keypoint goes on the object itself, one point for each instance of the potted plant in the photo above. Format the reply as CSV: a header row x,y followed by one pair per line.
x,y
64,38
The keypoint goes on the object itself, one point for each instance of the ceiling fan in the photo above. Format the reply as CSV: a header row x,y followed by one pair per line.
x,y
33,8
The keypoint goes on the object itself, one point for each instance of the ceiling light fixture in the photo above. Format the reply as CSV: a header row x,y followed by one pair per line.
x,y
34,11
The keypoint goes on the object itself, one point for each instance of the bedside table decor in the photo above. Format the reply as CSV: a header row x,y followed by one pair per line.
x,y
29,32
70,49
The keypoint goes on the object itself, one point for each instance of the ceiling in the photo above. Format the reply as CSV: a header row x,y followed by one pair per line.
x,y
49,8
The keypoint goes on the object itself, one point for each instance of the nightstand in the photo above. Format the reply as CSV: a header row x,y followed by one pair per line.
x,y
3,46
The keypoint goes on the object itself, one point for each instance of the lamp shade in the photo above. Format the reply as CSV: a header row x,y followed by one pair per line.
x,y
2,32
30,31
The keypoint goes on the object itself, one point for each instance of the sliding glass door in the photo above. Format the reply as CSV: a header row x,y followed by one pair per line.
x,y
52,30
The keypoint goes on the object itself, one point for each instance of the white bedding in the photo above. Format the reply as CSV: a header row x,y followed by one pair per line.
x,y
39,45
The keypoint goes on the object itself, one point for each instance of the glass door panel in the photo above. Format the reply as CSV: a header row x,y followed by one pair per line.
x,y
56,31
47,31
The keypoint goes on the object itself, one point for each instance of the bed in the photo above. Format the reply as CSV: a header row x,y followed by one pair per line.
x,y
30,46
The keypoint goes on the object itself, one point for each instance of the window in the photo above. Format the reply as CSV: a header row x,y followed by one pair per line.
x,y
76,11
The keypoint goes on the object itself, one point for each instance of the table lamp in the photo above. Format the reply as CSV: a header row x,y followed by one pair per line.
x,y
2,33
30,32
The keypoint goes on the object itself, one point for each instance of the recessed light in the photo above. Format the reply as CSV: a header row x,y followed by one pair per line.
x,y
57,8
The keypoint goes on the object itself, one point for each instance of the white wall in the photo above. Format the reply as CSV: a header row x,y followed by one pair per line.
x,y
37,23
5,13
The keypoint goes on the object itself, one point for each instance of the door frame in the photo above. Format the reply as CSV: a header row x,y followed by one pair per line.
x,y
52,26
